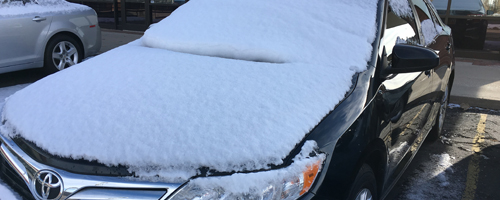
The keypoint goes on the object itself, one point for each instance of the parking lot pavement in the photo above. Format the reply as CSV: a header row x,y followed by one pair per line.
x,y
463,164
113,38
477,83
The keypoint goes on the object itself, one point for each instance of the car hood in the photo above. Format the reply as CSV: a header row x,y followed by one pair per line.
x,y
164,113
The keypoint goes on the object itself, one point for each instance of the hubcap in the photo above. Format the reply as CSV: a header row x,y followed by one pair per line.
x,y
442,109
64,55
364,194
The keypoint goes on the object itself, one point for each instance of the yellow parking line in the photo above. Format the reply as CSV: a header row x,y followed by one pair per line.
x,y
479,138
473,171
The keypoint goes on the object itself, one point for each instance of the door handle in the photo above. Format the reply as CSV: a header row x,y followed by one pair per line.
x,y
448,46
39,19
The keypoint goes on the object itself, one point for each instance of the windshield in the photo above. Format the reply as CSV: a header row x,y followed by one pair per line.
x,y
470,5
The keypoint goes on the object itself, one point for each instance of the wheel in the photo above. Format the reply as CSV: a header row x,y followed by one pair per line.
x,y
364,186
62,52
437,129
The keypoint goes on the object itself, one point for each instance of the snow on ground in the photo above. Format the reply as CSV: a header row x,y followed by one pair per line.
x,y
494,26
431,179
177,112
15,8
6,193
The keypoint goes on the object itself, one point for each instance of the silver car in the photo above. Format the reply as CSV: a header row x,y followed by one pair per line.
x,y
54,34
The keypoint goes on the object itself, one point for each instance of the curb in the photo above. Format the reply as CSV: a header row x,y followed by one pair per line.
x,y
476,102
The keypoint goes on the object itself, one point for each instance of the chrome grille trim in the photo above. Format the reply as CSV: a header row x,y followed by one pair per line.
x,y
27,168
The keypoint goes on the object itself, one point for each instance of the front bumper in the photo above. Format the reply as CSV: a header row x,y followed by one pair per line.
x,y
30,178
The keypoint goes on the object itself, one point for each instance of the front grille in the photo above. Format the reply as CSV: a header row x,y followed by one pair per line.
x,y
9,176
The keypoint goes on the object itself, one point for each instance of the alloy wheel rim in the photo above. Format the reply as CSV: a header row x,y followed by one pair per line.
x,y
364,194
442,109
64,55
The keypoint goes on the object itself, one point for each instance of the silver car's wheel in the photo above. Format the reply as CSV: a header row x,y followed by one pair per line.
x,y
64,55
62,51
364,194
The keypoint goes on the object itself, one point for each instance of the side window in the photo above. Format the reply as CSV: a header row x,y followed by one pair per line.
x,y
434,13
400,28
430,26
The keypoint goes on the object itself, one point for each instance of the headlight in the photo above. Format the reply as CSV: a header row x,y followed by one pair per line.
x,y
287,183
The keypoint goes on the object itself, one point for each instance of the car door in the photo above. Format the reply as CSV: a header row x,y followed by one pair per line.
x,y
405,96
437,37
22,38
443,44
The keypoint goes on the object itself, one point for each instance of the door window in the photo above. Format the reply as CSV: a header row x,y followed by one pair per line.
x,y
430,29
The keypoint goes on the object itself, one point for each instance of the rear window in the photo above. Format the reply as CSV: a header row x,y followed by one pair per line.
x,y
472,5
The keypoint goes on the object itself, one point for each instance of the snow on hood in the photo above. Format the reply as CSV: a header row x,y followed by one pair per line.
x,y
14,8
167,113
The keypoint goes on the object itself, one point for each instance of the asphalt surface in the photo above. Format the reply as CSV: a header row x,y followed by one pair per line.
x,y
471,140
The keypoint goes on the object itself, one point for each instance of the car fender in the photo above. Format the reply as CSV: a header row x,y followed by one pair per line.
x,y
82,25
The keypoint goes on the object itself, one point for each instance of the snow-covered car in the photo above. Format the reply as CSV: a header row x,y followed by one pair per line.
x,y
238,99
51,33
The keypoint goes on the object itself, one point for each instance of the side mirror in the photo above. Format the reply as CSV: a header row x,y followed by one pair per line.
x,y
489,12
409,58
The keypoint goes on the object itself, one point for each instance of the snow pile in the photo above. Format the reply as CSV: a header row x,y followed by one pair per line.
x,y
271,31
14,8
168,114
432,180
430,31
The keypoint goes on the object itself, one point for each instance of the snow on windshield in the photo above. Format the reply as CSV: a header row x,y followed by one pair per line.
x,y
166,113
270,31
16,7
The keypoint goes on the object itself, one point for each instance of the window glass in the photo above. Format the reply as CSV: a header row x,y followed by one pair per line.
x,y
434,14
430,29
471,5
399,30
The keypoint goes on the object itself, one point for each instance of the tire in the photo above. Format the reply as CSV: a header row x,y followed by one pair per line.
x,y
437,129
62,52
364,186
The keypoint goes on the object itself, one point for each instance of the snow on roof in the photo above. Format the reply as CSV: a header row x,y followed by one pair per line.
x,y
167,113
14,8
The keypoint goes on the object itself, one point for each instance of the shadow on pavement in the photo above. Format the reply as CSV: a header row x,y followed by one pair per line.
x,y
448,169
21,77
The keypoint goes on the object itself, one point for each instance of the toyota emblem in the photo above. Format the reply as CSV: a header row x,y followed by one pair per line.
x,y
47,185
